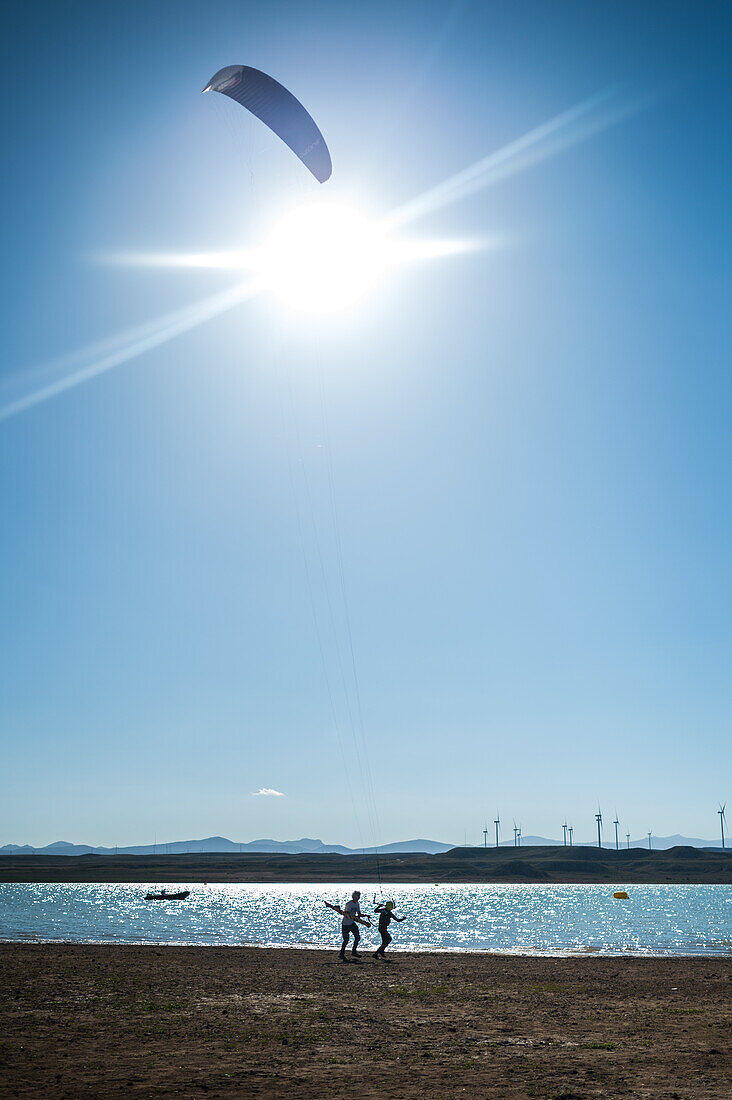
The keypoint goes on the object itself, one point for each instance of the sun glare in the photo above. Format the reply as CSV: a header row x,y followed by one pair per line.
x,y
323,257
320,258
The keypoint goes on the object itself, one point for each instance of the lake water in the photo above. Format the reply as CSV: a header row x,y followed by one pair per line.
x,y
521,919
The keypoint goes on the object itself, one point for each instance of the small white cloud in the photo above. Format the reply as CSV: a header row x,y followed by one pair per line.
x,y
270,791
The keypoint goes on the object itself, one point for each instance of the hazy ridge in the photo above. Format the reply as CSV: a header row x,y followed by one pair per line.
x,y
308,846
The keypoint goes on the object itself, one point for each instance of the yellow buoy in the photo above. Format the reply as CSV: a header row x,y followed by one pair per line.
x,y
620,895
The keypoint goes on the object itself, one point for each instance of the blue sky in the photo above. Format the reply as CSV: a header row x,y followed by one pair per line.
x,y
519,456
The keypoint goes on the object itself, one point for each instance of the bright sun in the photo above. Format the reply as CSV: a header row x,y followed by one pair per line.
x,y
322,258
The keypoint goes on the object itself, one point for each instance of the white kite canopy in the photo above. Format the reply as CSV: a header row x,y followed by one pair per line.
x,y
279,110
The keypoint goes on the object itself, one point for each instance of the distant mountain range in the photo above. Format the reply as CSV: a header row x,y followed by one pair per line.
x,y
306,846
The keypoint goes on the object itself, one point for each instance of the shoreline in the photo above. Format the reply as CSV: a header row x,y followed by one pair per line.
x,y
535,865
130,1021
395,950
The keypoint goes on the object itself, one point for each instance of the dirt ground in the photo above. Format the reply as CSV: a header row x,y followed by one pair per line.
x,y
88,1021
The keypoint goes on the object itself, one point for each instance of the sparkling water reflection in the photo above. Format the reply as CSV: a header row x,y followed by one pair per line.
x,y
525,919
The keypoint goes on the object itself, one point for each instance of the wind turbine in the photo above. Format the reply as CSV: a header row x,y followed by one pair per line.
x,y
598,819
627,837
519,837
570,830
497,824
616,823
650,839
564,826
516,832
485,836
721,813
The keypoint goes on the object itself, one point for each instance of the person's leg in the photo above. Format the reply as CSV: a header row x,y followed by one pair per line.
x,y
385,941
356,938
345,932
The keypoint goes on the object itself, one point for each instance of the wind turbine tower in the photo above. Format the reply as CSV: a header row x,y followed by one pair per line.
x,y
650,839
720,811
497,824
485,837
519,837
564,826
598,819
627,837
616,823
516,832
570,829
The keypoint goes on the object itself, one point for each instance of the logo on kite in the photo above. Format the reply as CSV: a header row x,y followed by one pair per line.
x,y
279,110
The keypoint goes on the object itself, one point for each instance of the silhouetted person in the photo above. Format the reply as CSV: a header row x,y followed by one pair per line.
x,y
386,916
352,917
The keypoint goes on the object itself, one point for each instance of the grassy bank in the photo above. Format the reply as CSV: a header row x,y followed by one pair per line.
x,y
545,864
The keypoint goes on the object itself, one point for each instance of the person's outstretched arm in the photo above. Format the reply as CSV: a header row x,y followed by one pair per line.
x,y
361,918
335,908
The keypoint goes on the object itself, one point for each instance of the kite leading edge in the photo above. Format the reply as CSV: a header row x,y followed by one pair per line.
x,y
279,110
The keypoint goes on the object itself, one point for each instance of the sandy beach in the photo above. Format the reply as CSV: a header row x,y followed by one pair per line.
x,y
80,1020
